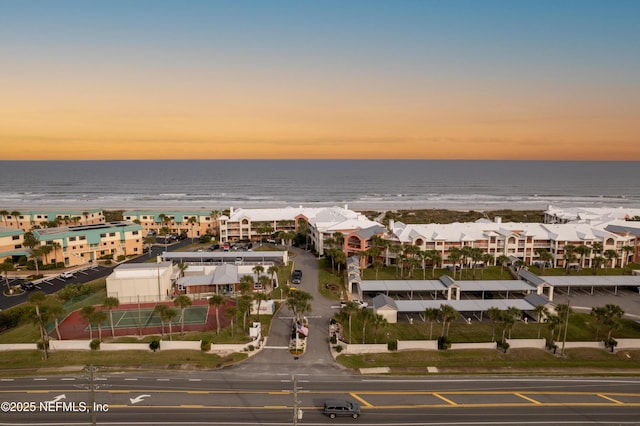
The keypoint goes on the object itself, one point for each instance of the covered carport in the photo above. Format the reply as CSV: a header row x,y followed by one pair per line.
x,y
588,284
467,308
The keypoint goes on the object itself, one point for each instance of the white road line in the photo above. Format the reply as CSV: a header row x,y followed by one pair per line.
x,y
68,378
130,380
6,380
195,380
40,380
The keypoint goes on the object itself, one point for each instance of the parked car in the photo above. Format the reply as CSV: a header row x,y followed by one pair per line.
x,y
296,277
361,304
66,275
214,247
27,285
339,407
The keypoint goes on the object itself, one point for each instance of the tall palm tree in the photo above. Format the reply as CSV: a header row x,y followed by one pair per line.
x,y
111,303
430,315
244,308
545,257
246,284
98,318
231,313
476,254
627,251
349,309
495,316
378,322
511,316
553,322
4,214
159,309
54,309
258,269
599,313
448,314
272,271
264,282
563,311
260,297
569,256
37,300
596,263
87,313
610,255
191,223
503,260
583,251
183,301
487,259
540,311
216,301
169,315
436,260
613,315
455,256
365,315
5,267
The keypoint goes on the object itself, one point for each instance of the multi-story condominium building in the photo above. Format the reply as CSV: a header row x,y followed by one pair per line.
x,y
11,244
522,241
555,214
193,224
43,219
321,223
78,245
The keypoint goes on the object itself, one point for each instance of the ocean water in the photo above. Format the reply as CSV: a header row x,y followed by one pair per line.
x,y
381,185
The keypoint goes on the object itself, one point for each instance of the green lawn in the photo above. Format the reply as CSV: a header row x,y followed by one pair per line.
x,y
518,361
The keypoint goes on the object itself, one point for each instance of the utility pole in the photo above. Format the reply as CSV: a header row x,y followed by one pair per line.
x,y
297,412
93,395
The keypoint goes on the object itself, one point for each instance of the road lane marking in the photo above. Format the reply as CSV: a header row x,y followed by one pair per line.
x,y
527,398
448,401
363,401
611,399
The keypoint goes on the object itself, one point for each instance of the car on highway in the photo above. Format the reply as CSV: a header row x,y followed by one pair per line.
x,y
340,407
296,277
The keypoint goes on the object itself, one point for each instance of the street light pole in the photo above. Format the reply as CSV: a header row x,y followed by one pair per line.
x,y
566,327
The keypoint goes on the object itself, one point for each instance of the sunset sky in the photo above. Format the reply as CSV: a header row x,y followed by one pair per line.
x,y
446,79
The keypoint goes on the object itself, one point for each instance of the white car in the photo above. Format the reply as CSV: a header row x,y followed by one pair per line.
x,y
66,275
360,304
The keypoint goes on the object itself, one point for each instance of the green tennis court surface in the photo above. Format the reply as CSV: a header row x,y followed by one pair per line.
x,y
145,317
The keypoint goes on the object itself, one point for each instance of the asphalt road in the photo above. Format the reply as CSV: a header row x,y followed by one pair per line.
x,y
225,397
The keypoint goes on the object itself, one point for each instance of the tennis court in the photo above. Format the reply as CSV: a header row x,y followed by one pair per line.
x,y
145,317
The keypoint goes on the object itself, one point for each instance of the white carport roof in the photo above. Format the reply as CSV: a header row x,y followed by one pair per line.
x,y
401,285
463,305
494,285
595,281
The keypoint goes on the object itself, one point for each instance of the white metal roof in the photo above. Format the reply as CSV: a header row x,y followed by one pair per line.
x,y
595,281
463,305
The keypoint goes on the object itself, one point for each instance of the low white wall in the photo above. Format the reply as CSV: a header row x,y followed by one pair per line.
x,y
69,345
174,344
628,344
483,345
527,343
124,347
424,345
18,347
363,349
570,345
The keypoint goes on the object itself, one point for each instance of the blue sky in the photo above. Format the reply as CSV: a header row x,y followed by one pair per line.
x,y
482,77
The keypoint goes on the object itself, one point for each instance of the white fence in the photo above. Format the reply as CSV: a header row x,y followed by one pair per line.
x,y
419,345
527,343
363,349
483,345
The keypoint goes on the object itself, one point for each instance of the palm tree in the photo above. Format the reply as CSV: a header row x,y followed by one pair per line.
x,y
260,297
231,313
627,251
216,301
4,214
613,315
272,270
191,222
583,250
5,267
477,255
431,314
465,252
495,315
169,315
545,257
110,303
454,257
599,313
540,311
37,300
246,284
349,309
365,315
502,260
597,247
553,322
436,259
160,309
183,301
258,269
87,313
244,308
448,314
379,322
610,255
511,315
264,281
54,309
596,263
563,311
98,318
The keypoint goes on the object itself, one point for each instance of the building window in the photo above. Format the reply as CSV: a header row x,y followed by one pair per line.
x,y
15,237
